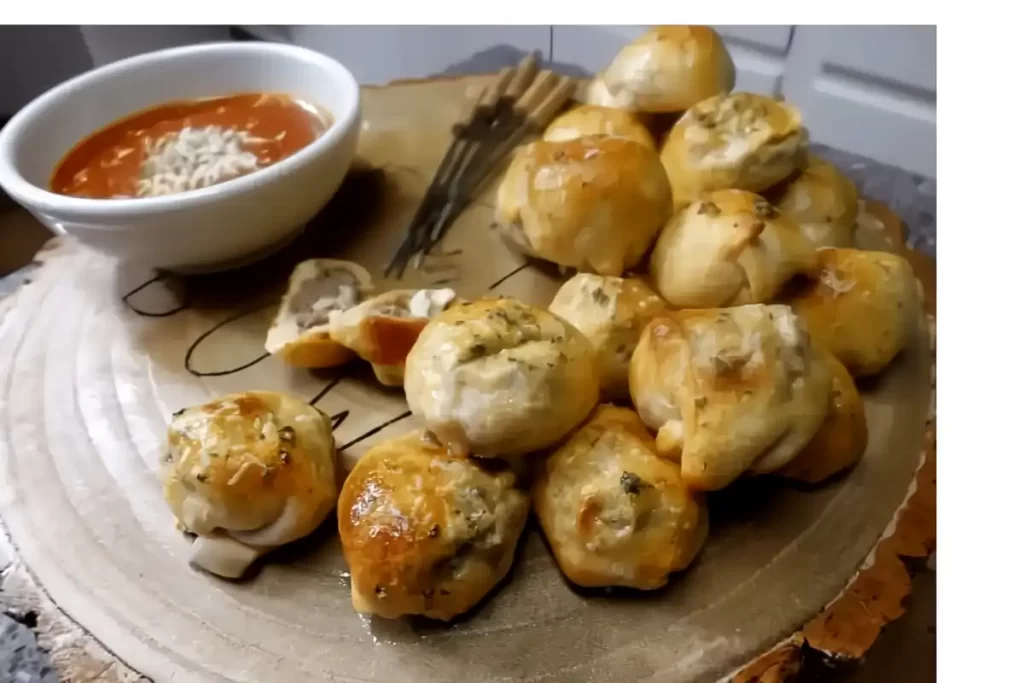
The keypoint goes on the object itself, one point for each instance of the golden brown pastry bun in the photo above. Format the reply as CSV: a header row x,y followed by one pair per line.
x,y
587,120
382,329
742,141
299,334
611,312
840,441
614,513
755,390
667,69
247,473
499,377
425,532
730,248
593,203
864,306
822,201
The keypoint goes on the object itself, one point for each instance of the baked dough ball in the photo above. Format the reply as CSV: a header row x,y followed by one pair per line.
x,y
587,120
300,333
667,69
247,473
730,248
611,312
742,140
425,532
614,513
754,390
864,306
822,201
500,377
840,441
382,329
594,203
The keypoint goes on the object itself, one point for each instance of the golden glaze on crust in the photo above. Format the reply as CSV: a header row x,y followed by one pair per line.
x,y
425,532
666,69
730,248
842,438
614,513
611,312
257,467
754,390
300,334
863,306
586,120
822,201
594,203
737,141
497,377
382,329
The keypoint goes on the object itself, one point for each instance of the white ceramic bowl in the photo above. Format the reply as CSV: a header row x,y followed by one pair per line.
x,y
208,229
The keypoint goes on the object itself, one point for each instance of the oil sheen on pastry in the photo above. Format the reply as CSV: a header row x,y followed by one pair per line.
x,y
593,203
425,532
744,388
499,377
738,141
840,441
666,69
611,312
730,248
864,306
247,473
614,513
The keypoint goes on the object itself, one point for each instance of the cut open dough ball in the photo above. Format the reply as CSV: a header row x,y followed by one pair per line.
x,y
248,473
611,312
425,532
842,438
382,329
499,377
614,513
666,69
754,390
730,248
593,203
863,306
737,141
300,333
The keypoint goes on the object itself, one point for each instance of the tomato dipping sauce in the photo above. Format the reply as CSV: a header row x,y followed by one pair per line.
x,y
181,146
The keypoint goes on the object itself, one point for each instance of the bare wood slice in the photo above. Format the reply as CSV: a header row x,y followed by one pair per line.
x,y
88,387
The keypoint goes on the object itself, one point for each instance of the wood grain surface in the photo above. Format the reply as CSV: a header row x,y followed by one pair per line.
x,y
88,385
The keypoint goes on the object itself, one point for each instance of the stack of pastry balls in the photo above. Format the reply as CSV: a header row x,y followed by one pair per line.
x,y
713,330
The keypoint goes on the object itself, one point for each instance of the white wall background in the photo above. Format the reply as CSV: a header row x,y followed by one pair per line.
x,y
864,89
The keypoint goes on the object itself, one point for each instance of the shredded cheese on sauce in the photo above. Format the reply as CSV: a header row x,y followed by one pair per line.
x,y
194,158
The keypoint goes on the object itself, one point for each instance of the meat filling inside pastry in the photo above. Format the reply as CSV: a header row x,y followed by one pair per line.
x,y
382,329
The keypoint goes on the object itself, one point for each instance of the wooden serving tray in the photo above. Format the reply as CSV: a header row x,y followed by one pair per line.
x,y
88,385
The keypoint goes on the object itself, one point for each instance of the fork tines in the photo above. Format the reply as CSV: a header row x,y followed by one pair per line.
x,y
519,102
